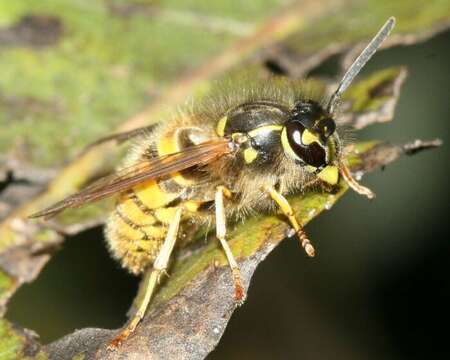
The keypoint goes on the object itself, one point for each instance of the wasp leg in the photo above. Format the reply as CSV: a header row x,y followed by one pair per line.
x,y
221,235
345,172
287,210
159,268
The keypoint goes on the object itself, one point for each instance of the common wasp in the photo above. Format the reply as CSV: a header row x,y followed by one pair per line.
x,y
230,156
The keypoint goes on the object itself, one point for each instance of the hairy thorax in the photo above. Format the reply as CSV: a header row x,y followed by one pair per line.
x,y
137,227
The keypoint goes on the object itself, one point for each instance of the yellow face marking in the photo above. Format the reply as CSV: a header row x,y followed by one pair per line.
x,y
220,129
285,143
308,137
263,129
250,154
329,174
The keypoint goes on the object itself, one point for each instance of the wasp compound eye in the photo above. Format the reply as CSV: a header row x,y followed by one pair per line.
x,y
305,149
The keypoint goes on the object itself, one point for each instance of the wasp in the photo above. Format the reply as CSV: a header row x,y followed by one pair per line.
x,y
225,159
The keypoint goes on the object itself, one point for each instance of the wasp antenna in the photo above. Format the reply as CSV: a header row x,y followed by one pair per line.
x,y
360,61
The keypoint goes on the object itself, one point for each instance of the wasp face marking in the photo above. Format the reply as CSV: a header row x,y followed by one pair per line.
x,y
307,135
177,176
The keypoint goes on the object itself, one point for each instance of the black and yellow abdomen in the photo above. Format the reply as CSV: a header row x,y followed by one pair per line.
x,y
138,225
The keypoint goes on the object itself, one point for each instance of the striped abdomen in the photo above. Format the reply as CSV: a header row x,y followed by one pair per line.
x,y
137,227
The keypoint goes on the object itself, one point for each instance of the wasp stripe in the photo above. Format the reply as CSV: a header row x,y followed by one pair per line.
x,y
182,180
132,225
152,196
286,146
165,214
264,129
169,144
221,126
137,232
127,220
131,209
141,206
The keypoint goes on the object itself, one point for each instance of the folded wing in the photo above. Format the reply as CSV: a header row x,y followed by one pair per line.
x,y
140,172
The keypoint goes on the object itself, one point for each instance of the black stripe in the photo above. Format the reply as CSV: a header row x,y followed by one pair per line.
x,y
174,203
126,219
169,185
138,202
134,226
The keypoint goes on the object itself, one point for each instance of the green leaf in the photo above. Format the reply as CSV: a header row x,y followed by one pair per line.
x,y
84,68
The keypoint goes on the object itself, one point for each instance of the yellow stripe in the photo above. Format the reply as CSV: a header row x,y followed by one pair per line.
x,y
263,129
131,234
155,232
250,155
126,230
308,137
165,215
168,145
192,205
152,196
145,245
221,126
329,174
132,211
285,143
180,179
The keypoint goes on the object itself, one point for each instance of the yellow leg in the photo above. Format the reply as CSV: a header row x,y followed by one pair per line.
x,y
159,268
345,172
287,210
221,235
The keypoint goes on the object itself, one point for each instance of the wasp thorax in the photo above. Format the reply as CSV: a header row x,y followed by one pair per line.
x,y
306,134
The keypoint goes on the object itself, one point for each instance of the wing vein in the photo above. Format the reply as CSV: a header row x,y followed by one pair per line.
x,y
146,170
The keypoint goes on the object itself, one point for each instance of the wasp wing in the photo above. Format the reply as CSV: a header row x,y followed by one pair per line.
x,y
140,172
119,138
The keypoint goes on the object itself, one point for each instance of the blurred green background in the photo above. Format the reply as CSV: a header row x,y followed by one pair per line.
x,y
377,289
